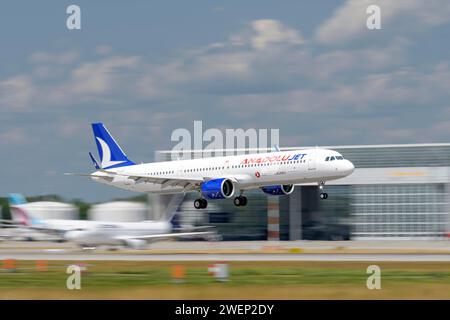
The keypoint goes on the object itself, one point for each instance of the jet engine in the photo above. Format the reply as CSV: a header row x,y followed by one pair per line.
x,y
217,189
135,243
279,190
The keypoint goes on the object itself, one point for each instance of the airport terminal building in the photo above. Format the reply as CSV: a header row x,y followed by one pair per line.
x,y
396,192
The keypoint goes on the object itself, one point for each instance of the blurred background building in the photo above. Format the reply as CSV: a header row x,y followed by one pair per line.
x,y
51,210
395,192
119,211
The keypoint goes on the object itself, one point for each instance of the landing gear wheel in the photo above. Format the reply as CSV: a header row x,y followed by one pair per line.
x,y
200,203
323,195
240,201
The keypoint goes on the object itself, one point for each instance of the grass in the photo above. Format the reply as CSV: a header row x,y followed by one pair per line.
x,y
248,280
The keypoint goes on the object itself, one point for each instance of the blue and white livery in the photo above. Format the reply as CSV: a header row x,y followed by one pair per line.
x,y
274,173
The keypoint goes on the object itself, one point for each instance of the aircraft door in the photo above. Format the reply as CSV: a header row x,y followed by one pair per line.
x,y
311,159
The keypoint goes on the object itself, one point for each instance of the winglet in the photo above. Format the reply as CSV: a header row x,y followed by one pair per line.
x,y
94,161
277,148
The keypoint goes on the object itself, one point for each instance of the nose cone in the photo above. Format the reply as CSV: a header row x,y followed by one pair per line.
x,y
348,167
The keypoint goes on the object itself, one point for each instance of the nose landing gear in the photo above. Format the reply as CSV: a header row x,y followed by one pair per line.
x,y
323,195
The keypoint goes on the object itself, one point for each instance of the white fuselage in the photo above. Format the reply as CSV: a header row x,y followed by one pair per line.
x,y
61,226
246,171
115,233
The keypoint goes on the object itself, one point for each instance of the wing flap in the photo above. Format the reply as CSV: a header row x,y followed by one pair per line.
x,y
165,181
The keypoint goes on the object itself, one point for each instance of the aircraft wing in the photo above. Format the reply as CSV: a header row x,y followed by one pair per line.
x,y
151,237
5,225
164,181
50,231
141,178
108,178
8,223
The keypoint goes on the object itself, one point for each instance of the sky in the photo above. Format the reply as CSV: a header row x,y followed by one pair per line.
x,y
311,69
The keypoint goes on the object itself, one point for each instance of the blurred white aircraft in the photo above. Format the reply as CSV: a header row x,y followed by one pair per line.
x,y
91,234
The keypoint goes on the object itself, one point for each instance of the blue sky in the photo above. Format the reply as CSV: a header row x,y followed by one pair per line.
x,y
145,68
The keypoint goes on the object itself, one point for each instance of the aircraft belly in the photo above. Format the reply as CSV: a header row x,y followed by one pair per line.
x,y
282,177
254,179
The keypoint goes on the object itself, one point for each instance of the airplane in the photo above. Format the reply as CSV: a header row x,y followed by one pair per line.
x,y
274,173
91,234
134,235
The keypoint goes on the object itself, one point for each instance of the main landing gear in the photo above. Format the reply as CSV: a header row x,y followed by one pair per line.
x,y
323,195
240,201
200,203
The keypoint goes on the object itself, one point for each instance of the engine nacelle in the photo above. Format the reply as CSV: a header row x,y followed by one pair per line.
x,y
217,189
135,243
279,190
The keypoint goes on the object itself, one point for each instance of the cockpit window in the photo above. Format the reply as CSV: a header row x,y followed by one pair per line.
x,y
331,158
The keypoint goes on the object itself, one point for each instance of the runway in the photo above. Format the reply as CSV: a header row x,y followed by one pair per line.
x,y
237,251
386,246
81,256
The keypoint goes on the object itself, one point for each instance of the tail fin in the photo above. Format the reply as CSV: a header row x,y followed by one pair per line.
x,y
175,221
16,199
18,212
111,154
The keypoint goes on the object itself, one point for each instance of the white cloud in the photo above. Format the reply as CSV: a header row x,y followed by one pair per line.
x,y
16,93
49,86
269,32
98,77
348,22
394,91
13,136
60,79
49,58
266,33
268,70
103,49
